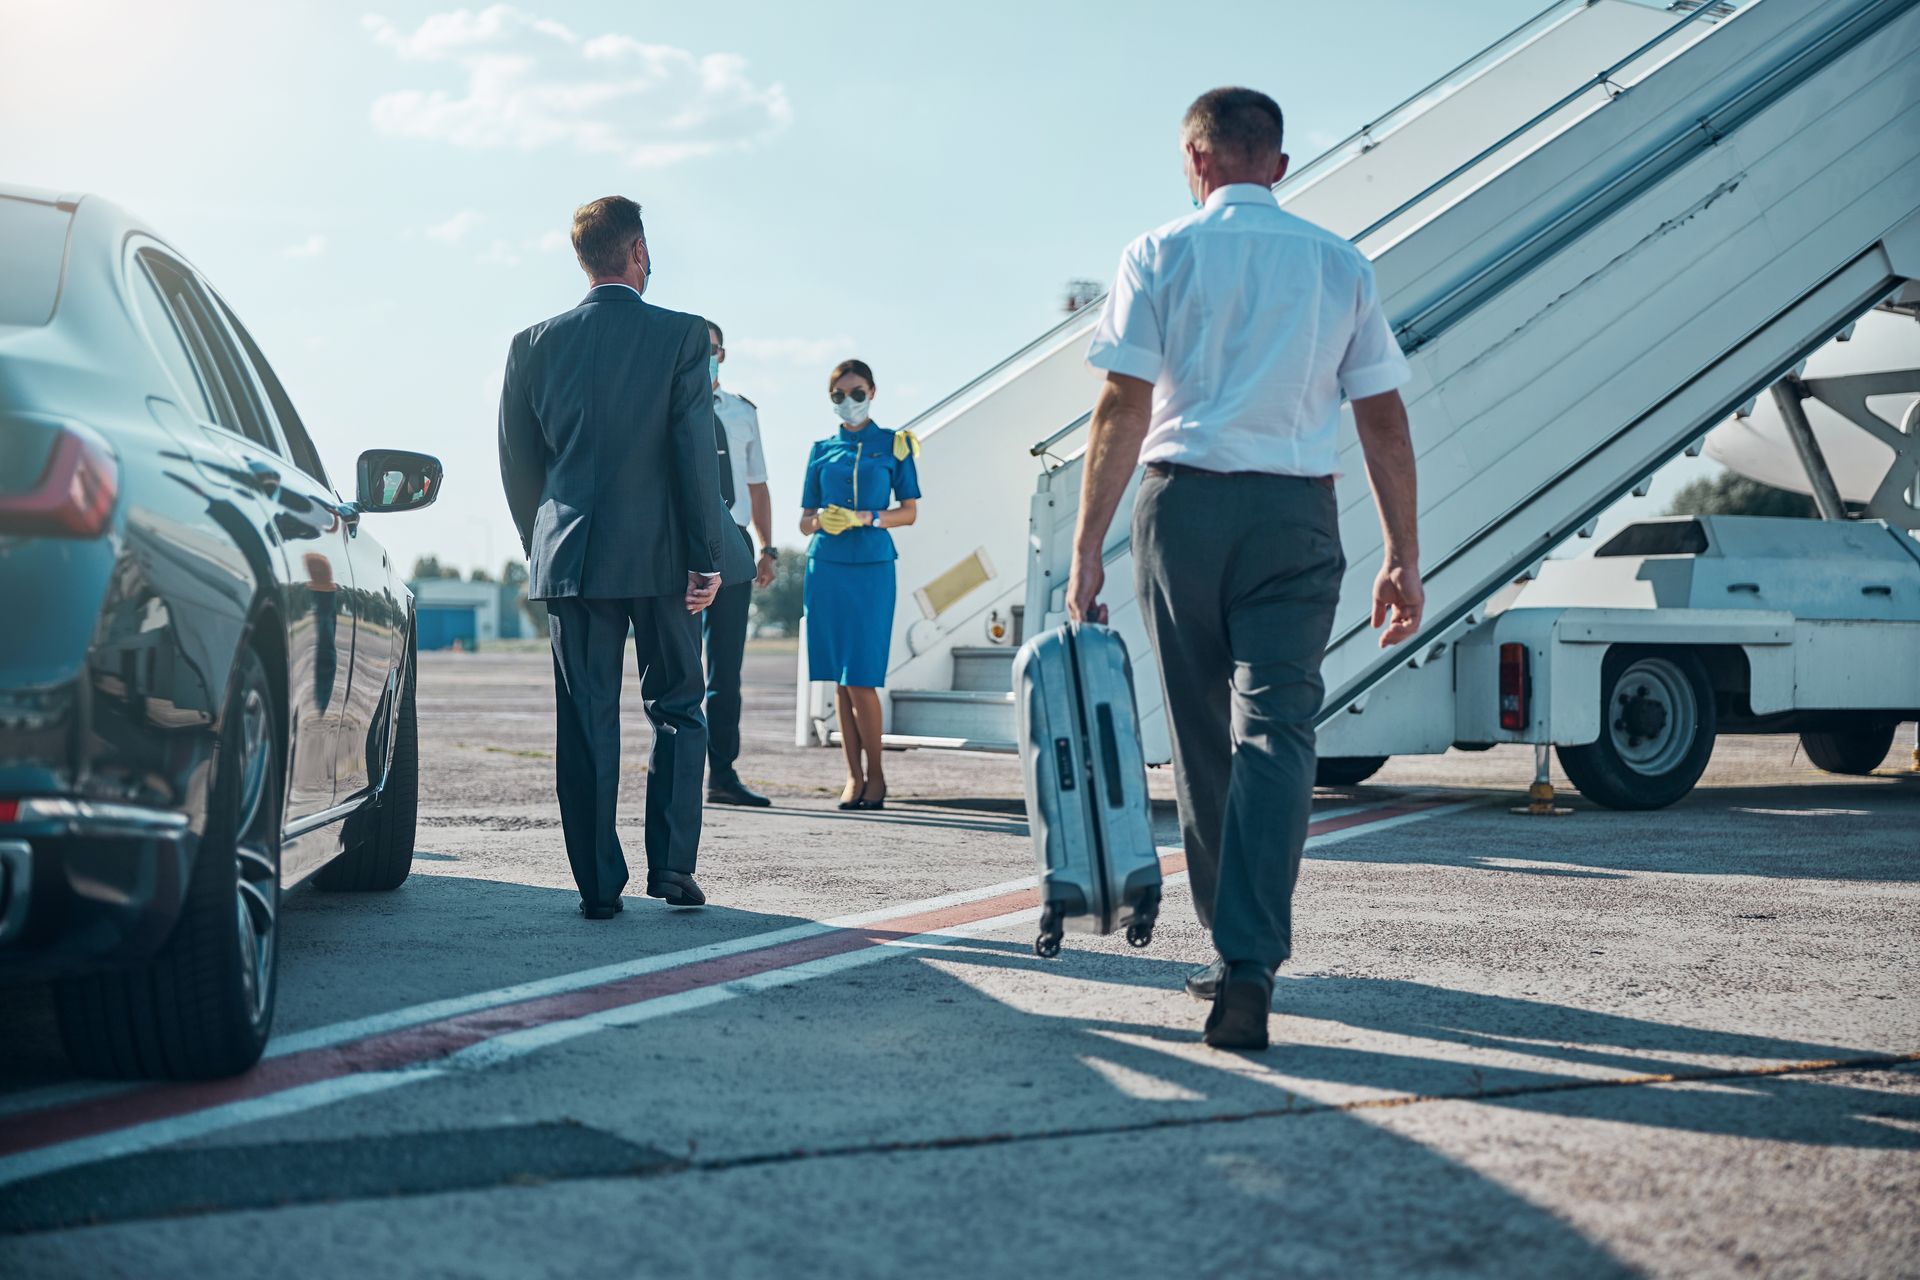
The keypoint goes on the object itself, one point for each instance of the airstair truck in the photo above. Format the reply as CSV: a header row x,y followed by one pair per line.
x,y
1586,269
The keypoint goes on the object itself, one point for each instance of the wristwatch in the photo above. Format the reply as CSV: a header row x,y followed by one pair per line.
x,y
770,551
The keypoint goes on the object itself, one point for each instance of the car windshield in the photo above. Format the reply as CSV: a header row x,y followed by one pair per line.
x,y
33,240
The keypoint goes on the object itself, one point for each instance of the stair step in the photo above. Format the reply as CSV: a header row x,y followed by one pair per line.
x,y
983,669
974,715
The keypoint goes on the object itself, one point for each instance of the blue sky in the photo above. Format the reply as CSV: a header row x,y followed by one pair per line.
x,y
383,192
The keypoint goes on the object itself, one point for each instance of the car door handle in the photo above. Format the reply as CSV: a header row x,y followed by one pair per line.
x,y
263,476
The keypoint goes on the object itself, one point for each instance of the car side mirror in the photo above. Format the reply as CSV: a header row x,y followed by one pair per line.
x,y
397,480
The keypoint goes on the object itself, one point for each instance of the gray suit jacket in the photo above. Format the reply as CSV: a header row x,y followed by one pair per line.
x,y
607,451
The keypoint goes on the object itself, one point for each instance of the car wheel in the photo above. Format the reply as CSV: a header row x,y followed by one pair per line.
x,y
1656,731
379,838
202,1007
1345,771
1857,751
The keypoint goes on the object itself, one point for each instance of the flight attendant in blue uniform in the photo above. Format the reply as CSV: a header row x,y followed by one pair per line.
x,y
861,482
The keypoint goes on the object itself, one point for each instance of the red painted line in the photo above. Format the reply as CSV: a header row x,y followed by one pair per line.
x,y
419,1045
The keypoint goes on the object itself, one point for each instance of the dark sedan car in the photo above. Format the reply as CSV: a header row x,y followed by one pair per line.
x,y
206,683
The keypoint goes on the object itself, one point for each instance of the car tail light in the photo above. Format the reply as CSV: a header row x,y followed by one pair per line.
x,y
78,483
9,811
1515,690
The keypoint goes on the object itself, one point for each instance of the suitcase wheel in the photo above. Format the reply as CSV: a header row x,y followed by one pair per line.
x,y
1140,933
1047,945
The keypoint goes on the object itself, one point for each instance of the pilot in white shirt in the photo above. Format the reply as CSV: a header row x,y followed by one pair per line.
x,y
1228,342
743,483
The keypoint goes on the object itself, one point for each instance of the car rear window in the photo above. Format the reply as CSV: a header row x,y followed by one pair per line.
x,y
33,245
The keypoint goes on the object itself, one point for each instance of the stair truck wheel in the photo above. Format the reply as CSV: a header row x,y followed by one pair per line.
x,y
1656,730
202,1007
1856,752
1345,771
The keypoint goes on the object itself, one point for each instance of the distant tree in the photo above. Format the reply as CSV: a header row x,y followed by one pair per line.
x,y
429,566
776,609
514,574
1082,294
1732,494
479,575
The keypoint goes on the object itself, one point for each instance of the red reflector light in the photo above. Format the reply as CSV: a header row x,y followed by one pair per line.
x,y
1515,689
75,494
9,811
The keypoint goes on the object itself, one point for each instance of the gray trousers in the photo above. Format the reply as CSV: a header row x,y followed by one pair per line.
x,y
1238,577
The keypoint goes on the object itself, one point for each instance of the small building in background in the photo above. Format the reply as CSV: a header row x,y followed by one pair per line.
x,y
447,609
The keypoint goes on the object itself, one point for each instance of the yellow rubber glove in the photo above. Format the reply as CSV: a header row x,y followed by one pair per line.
x,y
905,442
837,520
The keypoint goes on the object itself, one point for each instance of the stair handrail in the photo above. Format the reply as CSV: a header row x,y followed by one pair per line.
x,y
1599,79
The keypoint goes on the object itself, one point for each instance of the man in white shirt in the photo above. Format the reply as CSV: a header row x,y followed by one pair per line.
x,y
1229,340
743,484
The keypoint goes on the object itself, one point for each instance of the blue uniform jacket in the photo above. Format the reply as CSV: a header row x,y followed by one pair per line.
x,y
857,470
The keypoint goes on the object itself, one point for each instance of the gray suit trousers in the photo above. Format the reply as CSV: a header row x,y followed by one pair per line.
x,y
589,653
1239,576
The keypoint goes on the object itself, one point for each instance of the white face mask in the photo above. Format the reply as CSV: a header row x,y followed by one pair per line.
x,y
851,412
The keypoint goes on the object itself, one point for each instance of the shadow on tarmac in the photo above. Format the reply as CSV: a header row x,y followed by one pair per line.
x,y
1598,1045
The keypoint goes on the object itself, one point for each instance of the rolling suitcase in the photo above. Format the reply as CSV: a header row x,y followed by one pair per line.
x,y
1086,782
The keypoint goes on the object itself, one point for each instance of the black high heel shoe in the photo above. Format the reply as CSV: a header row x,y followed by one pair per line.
x,y
861,802
853,801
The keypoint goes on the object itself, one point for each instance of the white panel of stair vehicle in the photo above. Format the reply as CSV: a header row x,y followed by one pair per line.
x,y
1826,616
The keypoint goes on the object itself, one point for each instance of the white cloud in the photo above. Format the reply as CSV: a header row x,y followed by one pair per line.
x,y
552,242
454,229
500,253
532,83
312,247
821,351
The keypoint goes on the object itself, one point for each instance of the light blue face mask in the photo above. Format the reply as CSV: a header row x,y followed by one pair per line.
x,y
713,369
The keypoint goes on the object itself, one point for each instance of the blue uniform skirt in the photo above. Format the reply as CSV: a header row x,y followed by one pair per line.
x,y
849,621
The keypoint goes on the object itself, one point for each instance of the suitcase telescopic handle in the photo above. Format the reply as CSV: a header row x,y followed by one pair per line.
x,y
1110,756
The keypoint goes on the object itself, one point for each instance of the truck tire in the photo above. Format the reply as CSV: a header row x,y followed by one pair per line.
x,y
1345,771
1656,730
379,838
202,1007
1857,752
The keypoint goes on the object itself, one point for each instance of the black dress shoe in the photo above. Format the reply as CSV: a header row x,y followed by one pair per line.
x,y
602,910
1204,984
728,789
675,888
1239,1016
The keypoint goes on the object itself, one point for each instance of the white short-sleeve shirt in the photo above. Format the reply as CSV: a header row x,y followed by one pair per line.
x,y
741,421
1252,324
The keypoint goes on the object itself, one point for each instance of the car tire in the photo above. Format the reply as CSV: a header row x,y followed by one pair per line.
x,y
379,838
1345,771
1855,752
1657,723
202,1008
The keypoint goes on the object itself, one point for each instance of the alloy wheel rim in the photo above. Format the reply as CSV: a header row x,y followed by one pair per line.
x,y
1653,717
255,871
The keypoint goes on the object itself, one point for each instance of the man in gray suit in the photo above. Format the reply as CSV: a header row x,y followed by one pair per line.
x,y
607,455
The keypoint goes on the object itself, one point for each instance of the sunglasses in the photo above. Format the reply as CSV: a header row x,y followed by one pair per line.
x,y
858,395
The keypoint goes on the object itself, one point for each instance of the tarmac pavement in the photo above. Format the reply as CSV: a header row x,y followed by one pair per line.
x,y
1677,1043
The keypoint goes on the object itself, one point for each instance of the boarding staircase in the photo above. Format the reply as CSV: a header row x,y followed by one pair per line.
x,y
1593,241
